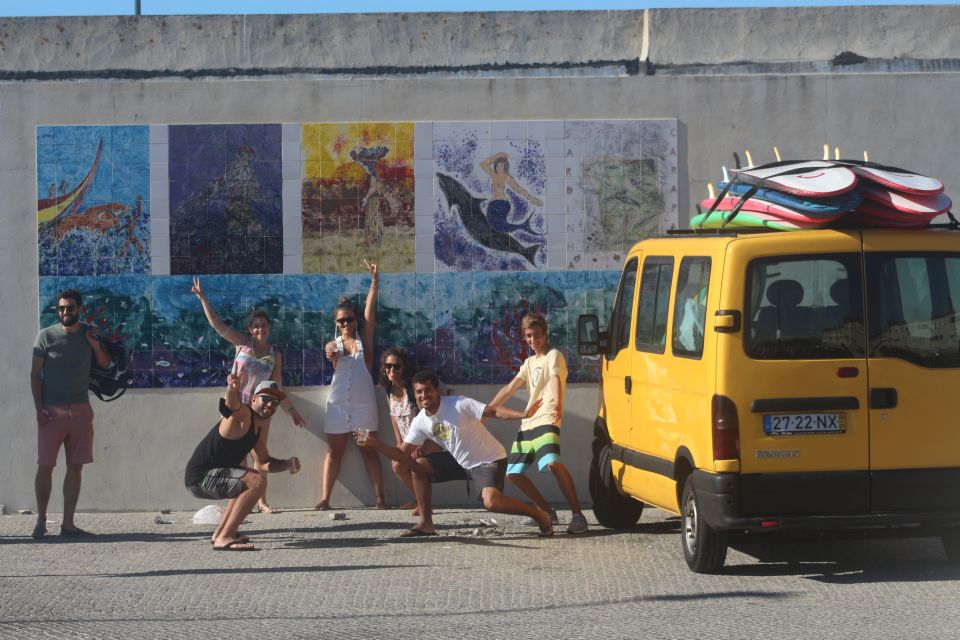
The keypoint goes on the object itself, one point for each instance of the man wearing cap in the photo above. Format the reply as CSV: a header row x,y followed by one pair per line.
x,y
216,471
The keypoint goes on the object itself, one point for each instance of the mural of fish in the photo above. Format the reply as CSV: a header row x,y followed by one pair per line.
x,y
476,223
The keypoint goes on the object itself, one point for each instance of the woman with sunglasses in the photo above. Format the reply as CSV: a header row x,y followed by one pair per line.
x,y
352,404
256,360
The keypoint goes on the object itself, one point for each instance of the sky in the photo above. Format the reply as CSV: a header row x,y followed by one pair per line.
x,y
193,7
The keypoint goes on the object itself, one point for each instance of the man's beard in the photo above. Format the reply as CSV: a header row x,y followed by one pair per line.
x,y
69,321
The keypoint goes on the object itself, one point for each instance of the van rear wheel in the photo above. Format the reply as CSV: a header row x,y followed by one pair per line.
x,y
612,509
704,548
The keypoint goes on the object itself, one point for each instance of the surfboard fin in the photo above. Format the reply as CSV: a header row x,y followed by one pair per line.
x,y
776,153
711,192
736,160
726,176
746,152
826,152
866,156
836,153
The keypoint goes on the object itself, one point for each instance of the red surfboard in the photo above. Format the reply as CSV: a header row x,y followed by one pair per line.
x,y
903,201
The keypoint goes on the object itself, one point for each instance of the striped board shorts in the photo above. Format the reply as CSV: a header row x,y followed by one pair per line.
x,y
540,443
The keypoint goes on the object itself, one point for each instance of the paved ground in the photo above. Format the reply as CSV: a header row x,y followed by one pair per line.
x,y
319,578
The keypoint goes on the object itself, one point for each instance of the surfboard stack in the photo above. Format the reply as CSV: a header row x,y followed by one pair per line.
x,y
814,194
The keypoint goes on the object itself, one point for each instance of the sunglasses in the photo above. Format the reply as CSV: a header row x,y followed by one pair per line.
x,y
68,308
390,366
268,400
346,320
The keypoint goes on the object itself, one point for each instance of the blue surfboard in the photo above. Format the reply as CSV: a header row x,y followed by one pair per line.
x,y
812,206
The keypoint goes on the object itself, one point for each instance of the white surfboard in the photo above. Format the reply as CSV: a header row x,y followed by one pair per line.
x,y
907,182
816,178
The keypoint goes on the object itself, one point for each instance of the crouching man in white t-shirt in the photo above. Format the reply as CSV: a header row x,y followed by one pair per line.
x,y
454,422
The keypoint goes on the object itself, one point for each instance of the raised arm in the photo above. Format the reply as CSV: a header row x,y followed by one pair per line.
x,y
487,165
523,192
370,313
228,333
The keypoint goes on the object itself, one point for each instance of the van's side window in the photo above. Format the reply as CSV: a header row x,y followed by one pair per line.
x,y
803,307
912,302
623,309
653,304
690,306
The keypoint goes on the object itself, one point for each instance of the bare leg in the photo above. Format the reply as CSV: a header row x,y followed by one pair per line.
x,y
262,504
565,482
529,489
239,507
371,460
231,503
495,501
424,492
71,493
42,486
336,444
404,475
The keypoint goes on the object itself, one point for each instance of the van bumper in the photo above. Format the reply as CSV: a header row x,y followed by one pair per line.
x,y
720,505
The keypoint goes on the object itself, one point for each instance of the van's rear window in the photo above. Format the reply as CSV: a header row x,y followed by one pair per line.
x,y
912,303
805,307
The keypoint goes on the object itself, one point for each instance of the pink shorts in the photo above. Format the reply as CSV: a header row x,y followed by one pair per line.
x,y
70,425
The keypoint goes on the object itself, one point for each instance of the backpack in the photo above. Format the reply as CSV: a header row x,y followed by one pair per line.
x,y
110,383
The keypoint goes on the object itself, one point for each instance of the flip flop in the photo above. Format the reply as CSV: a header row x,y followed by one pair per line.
x,y
240,538
236,545
413,532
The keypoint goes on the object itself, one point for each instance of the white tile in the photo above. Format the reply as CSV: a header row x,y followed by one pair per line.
x,y
159,206
159,134
442,130
556,261
291,170
555,167
159,228
423,130
500,129
160,246
554,148
292,264
291,190
556,241
555,187
517,129
425,224
554,129
159,265
537,129
159,172
159,187
424,243
423,168
292,245
555,204
159,152
464,130
499,145
422,146
291,208
572,167
290,151
290,132
425,262
423,188
426,206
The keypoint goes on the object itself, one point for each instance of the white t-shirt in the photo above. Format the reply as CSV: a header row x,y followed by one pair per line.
x,y
536,373
457,428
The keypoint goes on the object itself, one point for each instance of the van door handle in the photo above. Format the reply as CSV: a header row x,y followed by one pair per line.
x,y
881,398
627,385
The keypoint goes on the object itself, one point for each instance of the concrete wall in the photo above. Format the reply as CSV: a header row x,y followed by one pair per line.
x,y
906,118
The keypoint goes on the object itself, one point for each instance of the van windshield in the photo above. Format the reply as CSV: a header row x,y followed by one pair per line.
x,y
911,300
805,307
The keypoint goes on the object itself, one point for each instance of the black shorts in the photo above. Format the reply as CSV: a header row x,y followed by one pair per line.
x,y
445,467
491,474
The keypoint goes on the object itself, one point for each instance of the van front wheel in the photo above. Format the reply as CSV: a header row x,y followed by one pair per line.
x,y
612,509
704,548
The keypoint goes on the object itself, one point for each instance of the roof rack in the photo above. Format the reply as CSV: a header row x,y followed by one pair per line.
x,y
727,232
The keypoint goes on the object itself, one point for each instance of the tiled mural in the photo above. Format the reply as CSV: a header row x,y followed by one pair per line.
x,y
473,224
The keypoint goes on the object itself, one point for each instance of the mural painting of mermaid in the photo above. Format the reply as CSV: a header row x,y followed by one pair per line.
x,y
497,167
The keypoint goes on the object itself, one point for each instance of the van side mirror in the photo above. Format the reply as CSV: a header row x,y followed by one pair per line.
x,y
591,341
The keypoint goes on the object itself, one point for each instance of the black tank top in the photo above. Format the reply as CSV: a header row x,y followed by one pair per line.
x,y
217,452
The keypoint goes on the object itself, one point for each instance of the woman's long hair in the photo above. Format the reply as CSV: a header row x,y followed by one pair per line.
x,y
401,355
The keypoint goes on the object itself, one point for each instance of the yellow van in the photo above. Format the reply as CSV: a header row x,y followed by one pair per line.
x,y
767,381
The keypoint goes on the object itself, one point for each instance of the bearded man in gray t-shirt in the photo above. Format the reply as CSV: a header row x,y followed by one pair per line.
x,y
62,356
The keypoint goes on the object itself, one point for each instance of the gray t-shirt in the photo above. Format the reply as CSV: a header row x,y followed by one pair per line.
x,y
66,364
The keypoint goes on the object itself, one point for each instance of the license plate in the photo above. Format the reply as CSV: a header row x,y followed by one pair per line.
x,y
794,423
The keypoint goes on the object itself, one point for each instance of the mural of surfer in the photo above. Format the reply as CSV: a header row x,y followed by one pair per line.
x,y
478,225
497,167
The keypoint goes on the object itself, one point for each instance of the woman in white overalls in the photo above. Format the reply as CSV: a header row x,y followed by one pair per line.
x,y
352,403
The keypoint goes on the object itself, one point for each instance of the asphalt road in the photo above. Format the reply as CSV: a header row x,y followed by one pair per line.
x,y
315,577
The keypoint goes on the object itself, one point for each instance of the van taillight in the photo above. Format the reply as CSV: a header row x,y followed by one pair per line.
x,y
726,429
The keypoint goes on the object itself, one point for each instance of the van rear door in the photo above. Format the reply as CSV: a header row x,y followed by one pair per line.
x,y
913,297
797,373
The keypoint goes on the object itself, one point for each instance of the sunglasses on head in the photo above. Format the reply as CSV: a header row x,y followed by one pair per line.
x,y
389,366
68,308
346,320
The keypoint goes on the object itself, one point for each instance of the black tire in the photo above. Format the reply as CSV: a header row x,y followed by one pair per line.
x,y
704,548
951,544
612,509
